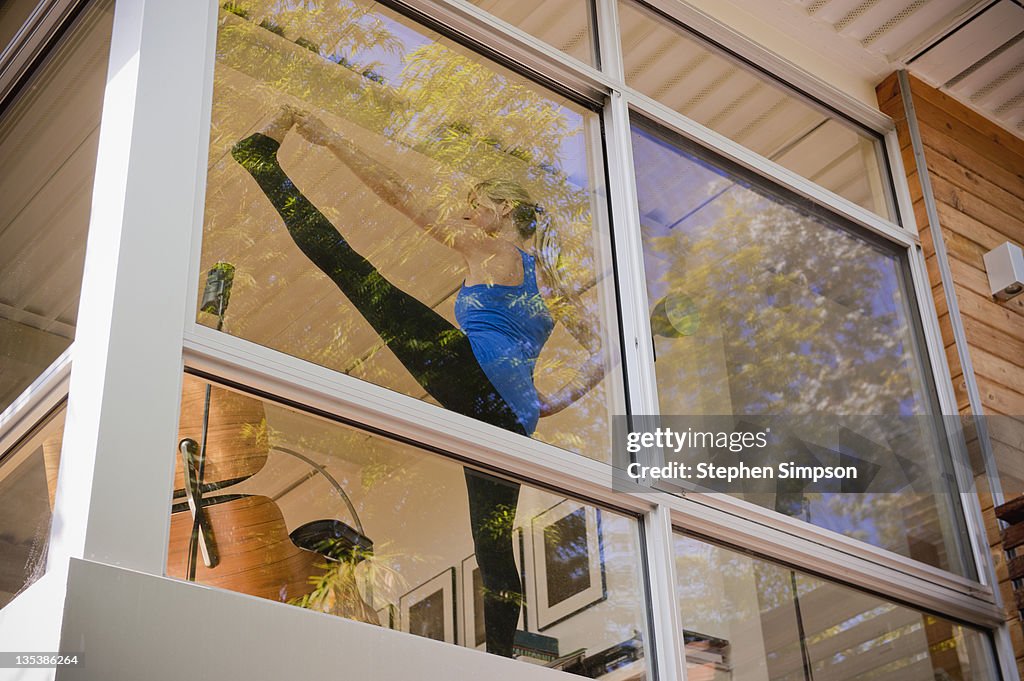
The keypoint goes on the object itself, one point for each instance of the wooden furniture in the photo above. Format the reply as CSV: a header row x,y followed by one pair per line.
x,y
256,555
236,436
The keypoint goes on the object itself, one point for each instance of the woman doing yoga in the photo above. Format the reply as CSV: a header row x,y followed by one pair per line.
x,y
483,369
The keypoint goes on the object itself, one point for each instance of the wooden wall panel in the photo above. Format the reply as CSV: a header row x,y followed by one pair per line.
x,y
977,174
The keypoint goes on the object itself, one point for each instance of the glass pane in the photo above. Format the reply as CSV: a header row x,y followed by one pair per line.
x,y
565,24
13,14
448,240
48,142
28,481
780,309
749,619
668,64
401,538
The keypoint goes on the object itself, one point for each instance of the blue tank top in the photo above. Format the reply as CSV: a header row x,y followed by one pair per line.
x,y
507,326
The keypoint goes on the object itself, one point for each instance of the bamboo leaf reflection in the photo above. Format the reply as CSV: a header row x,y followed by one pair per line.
x,y
795,308
789,312
443,120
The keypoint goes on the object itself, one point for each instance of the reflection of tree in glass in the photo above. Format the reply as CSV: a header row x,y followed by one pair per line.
x,y
471,118
348,580
335,28
437,106
496,526
797,317
707,601
805,317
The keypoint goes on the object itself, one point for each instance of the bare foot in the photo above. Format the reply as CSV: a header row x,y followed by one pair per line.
x,y
279,125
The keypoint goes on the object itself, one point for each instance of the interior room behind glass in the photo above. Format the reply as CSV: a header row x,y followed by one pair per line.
x,y
329,517
748,619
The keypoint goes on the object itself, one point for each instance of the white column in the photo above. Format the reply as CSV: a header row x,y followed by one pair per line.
x,y
114,487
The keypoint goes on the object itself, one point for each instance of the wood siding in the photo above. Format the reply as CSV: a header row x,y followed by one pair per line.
x,y
977,175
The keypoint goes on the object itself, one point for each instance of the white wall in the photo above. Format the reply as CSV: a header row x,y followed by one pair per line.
x,y
31,623
135,626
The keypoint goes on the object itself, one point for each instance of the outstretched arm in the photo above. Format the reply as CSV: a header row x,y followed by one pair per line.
x,y
582,325
382,180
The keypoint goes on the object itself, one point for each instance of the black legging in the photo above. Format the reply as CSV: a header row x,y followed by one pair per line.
x,y
439,357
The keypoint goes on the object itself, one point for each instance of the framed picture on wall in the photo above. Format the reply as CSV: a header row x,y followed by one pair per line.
x,y
568,561
473,634
429,609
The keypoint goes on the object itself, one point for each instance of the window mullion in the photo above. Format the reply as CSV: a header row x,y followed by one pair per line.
x,y
939,368
629,259
842,560
664,611
45,393
642,389
244,364
608,39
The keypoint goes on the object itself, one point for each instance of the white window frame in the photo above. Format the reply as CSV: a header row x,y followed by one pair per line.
x,y
151,99
35,403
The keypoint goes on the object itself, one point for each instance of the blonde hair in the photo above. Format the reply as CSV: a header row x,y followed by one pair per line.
x,y
526,215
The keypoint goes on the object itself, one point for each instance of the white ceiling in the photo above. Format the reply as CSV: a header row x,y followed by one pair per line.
x,y
971,49
982,64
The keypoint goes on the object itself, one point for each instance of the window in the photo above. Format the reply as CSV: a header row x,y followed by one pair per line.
x,y
366,179
28,482
405,158
667,63
13,15
565,24
48,138
746,618
329,517
762,305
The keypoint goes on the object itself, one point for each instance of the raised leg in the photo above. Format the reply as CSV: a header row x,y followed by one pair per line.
x,y
437,354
